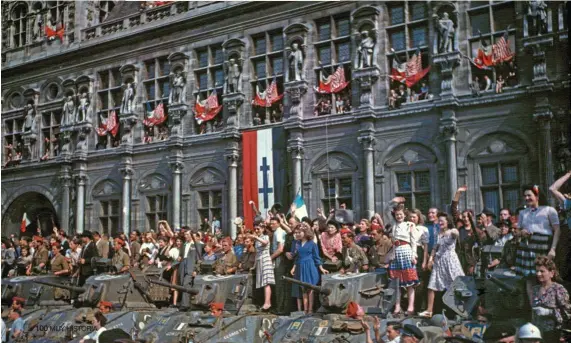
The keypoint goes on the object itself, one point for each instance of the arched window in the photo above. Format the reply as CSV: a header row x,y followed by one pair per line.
x,y
334,182
208,191
108,195
19,25
156,189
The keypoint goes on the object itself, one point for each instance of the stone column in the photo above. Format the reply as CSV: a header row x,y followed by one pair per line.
x,y
366,79
80,203
232,157
296,152
368,142
65,197
449,131
177,168
126,213
447,62
543,116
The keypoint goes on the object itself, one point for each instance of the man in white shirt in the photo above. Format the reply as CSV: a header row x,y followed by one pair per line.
x,y
277,253
99,322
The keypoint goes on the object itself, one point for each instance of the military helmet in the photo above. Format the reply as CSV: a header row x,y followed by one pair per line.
x,y
529,331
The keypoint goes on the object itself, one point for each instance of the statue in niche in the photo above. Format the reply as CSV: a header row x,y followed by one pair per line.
x,y
233,82
178,88
537,17
84,109
128,97
68,111
445,29
295,63
30,119
37,27
365,50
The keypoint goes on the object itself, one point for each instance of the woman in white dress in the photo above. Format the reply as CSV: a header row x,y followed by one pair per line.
x,y
444,261
264,266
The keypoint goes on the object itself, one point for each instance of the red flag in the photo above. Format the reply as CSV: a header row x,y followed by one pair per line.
x,y
156,117
112,124
269,97
209,110
501,51
25,223
335,83
102,129
410,72
492,55
59,31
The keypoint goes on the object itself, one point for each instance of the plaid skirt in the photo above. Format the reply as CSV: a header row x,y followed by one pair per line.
x,y
401,266
528,250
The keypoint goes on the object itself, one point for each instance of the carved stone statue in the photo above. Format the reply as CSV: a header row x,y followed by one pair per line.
x,y
84,110
365,50
295,63
445,28
37,27
178,89
68,111
233,82
128,97
30,120
536,17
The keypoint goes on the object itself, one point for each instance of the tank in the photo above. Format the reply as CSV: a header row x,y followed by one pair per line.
x,y
134,302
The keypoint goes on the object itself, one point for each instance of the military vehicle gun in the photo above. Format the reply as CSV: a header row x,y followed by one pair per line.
x,y
337,290
35,294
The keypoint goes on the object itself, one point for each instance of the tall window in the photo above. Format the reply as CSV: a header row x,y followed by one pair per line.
x,y
19,25
500,186
50,130
408,33
491,19
210,78
210,205
414,186
109,96
337,191
13,142
333,50
157,89
58,14
156,210
109,217
267,63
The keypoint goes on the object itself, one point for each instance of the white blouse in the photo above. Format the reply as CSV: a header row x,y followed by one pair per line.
x,y
540,220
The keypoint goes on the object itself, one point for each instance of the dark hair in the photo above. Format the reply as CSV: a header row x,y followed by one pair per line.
x,y
100,318
275,219
507,209
470,217
544,261
395,325
448,219
19,312
307,220
400,207
538,192
136,232
334,223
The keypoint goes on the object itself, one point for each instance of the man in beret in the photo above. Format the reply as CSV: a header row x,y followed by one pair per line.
x,y
228,263
105,307
40,257
354,258
355,311
88,252
120,260
18,303
216,309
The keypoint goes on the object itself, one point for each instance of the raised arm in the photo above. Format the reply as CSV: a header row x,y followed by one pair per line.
x,y
554,189
454,205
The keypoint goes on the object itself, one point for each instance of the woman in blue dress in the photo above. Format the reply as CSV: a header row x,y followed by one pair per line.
x,y
307,262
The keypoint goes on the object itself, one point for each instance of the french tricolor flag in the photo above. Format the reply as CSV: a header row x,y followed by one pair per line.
x,y
265,170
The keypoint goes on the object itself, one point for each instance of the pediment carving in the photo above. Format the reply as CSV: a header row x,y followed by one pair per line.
x,y
336,162
153,182
207,176
496,145
409,155
106,188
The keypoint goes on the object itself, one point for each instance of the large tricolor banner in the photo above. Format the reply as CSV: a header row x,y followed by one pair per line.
x,y
264,159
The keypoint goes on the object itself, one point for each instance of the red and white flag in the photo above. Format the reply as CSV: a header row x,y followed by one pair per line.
x,y
334,83
410,72
269,97
156,117
113,124
25,223
59,32
491,55
208,110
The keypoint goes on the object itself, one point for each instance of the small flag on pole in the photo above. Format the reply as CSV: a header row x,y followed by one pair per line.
x,y
298,208
25,223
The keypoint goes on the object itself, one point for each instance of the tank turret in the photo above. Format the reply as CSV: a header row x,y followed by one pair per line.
x,y
234,291
34,293
337,290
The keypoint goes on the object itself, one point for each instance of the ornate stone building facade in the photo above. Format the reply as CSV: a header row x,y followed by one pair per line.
x,y
111,117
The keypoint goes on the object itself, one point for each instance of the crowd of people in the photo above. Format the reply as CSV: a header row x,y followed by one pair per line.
x,y
400,94
425,253
324,106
